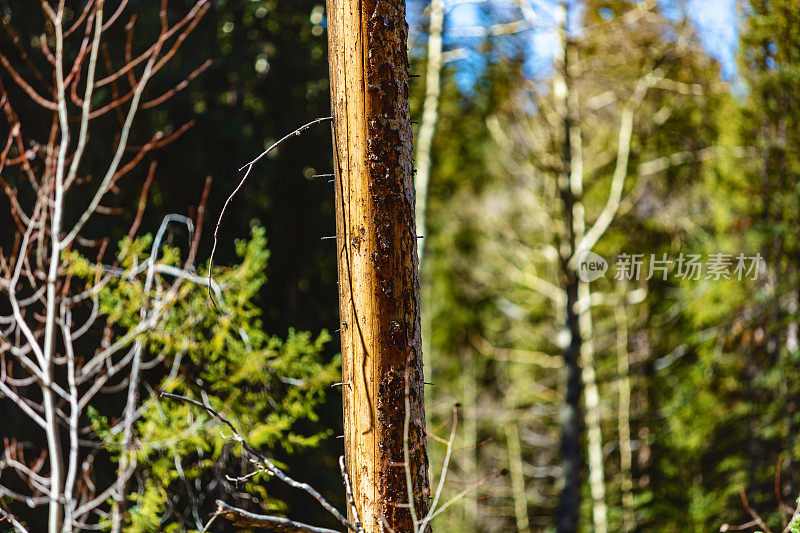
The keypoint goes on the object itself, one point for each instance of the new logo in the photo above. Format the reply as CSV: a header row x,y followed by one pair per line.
x,y
591,266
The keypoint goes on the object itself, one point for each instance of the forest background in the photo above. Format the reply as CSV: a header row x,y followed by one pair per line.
x,y
666,128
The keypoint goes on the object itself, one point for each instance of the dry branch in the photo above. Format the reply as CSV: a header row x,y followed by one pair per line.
x,y
48,377
263,463
243,518
248,168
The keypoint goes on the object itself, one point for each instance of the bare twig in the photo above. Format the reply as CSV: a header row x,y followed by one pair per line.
x,y
243,518
443,475
248,168
752,512
349,493
262,461
46,379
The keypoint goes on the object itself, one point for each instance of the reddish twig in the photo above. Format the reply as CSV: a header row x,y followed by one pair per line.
x,y
30,91
180,86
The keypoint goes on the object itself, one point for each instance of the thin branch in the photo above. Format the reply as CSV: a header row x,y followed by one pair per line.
x,y
249,168
662,163
752,512
87,99
464,492
443,476
130,64
18,527
609,211
243,518
296,132
180,86
30,91
149,70
22,404
348,489
266,463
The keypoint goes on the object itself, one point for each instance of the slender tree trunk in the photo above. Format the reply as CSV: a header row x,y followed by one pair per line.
x,y
377,259
579,356
570,498
55,513
424,141
597,484
469,361
571,423
623,418
572,133
430,114
515,466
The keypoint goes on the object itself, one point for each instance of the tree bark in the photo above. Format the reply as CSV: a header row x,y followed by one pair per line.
x,y
377,261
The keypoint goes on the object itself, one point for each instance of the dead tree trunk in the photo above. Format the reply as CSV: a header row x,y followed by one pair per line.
x,y
378,266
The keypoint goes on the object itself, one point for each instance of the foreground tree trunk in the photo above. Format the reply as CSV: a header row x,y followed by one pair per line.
x,y
384,417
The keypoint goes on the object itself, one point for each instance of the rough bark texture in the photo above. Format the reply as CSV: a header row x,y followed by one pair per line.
x,y
377,257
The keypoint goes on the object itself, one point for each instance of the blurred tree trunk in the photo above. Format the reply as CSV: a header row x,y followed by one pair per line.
x,y
571,422
624,413
516,469
430,114
579,354
471,389
384,417
597,483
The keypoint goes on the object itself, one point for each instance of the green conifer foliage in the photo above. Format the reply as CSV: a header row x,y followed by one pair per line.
x,y
267,386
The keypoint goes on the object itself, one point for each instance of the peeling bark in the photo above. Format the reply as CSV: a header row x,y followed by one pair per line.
x,y
377,258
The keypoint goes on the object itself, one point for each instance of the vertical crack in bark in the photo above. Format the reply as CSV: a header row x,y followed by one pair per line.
x,y
378,266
